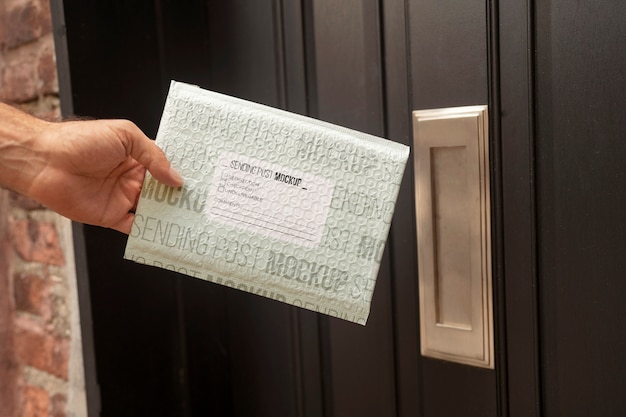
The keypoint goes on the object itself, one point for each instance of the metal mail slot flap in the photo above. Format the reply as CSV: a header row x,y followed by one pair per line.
x,y
453,229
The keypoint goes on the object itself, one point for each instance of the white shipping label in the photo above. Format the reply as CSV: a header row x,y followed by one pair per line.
x,y
269,199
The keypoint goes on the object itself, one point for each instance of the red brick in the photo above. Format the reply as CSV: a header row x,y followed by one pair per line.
x,y
9,367
3,23
37,242
45,17
19,79
48,70
45,352
10,371
24,21
35,402
30,293
58,408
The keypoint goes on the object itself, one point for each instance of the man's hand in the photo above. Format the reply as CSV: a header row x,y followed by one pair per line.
x,y
88,171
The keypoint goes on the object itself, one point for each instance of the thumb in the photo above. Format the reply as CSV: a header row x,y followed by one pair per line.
x,y
148,154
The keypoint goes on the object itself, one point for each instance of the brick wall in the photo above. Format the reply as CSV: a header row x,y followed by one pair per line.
x,y
36,264
27,64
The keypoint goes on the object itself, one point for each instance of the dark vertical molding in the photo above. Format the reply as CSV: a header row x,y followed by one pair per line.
x,y
312,107
160,40
374,36
181,368
518,297
497,227
310,367
539,30
540,98
92,391
299,386
534,400
294,53
279,53
326,367
401,243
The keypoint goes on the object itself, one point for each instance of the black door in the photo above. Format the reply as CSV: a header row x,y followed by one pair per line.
x,y
552,75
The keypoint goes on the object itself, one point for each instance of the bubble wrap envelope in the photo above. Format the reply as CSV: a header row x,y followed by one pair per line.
x,y
276,204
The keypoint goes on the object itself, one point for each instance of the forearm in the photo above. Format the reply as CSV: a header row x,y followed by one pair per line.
x,y
21,156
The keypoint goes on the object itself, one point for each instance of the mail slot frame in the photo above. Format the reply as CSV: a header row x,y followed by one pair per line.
x,y
465,130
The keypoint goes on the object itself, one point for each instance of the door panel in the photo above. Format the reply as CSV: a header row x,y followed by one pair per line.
x,y
448,53
582,173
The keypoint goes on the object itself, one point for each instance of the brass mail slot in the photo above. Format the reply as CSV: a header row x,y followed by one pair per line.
x,y
451,154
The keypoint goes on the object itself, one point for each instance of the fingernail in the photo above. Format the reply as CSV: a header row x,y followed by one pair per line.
x,y
176,176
